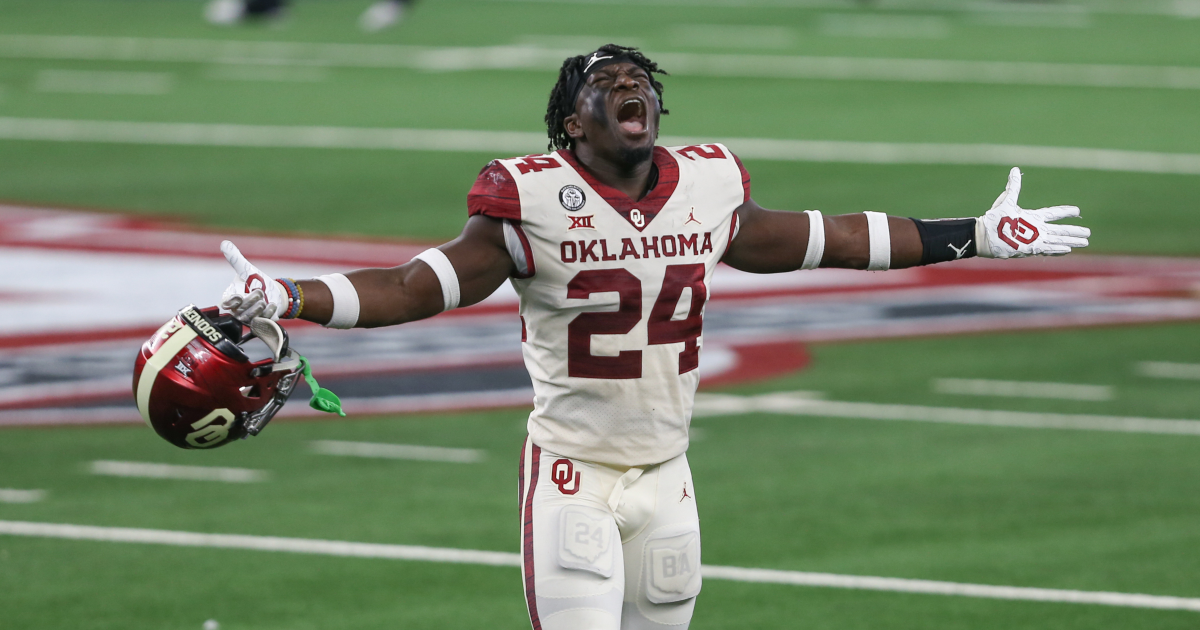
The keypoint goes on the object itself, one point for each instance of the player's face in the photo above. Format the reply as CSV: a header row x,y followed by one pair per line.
x,y
617,113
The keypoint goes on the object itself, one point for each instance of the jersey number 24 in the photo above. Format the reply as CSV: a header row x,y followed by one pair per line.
x,y
661,327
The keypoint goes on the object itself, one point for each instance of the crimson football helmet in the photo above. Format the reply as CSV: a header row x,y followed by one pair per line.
x,y
196,386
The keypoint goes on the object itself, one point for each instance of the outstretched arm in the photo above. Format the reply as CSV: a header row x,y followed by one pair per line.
x,y
773,241
386,297
770,241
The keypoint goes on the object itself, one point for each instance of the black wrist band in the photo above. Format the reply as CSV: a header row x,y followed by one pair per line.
x,y
946,239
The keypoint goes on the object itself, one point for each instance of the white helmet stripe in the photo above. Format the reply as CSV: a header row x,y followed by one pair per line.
x,y
157,362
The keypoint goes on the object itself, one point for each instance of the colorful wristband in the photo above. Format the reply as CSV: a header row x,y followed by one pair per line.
x,y
300,304
293,309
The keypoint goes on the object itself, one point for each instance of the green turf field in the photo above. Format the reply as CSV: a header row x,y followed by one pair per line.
x,y
1082,510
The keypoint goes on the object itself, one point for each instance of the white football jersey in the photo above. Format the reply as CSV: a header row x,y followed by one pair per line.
x,y
613,293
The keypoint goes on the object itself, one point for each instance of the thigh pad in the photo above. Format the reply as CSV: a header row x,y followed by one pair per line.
x,y
585,540
672,564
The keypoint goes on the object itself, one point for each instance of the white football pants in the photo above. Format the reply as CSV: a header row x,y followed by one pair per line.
x,y
608,548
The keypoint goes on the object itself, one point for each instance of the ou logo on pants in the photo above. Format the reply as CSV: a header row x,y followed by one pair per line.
x,y
560,474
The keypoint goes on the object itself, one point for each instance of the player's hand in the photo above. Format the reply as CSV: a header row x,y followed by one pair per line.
x,y
254,293
1009,231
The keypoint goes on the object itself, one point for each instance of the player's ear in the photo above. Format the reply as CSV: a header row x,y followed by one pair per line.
x,y
573,127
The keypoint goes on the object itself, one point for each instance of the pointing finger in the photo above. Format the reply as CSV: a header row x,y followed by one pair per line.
x,y
1013,190
241,266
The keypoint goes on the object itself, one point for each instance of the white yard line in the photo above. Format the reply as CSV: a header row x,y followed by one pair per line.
x,y
149,470
1020,389
1031,19
268,73
12,495
398,451
573,42
803,404
733,36
876,25
104,82
930,587
505,559
204,134
537,58
1166,369
519,142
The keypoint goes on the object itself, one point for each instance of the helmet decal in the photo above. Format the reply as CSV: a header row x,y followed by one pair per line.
x,y
167,351
209,434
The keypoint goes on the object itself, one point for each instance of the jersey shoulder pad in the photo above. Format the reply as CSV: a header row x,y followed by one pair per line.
x,y
494,194
700,153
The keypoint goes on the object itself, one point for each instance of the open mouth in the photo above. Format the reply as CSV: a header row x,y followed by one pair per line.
x,y
631,115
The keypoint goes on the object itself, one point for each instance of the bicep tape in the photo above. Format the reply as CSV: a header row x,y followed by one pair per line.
x,y
880,236
445,274
816,240
345,301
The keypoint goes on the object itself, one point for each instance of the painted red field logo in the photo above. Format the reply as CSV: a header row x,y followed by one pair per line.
x,y
72,365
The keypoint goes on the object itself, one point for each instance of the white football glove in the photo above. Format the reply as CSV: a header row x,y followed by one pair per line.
x,y
1009,231
254,293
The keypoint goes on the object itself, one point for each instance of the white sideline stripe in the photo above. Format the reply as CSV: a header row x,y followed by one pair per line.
x,y
519,142
398,451
802,404
506,559
170,471
523,58
103,82
11,495
1020,389
1166,369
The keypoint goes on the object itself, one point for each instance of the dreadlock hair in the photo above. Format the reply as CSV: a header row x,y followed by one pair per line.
x,y
562,97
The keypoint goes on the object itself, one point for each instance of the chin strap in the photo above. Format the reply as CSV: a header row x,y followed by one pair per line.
x,y
322,399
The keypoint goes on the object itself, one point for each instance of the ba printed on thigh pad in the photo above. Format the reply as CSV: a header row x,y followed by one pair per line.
x,y
586,540
672,565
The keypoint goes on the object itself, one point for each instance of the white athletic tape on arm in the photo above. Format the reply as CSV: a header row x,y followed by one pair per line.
x,y
816,240
880,236
446,275
345,301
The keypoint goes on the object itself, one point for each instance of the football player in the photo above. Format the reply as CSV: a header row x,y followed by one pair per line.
x,y
611,242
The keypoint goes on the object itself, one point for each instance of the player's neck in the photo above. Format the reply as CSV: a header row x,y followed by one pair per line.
x,y
632,178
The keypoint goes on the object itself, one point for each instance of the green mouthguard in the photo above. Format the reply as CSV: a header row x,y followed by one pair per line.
x,y
322,399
